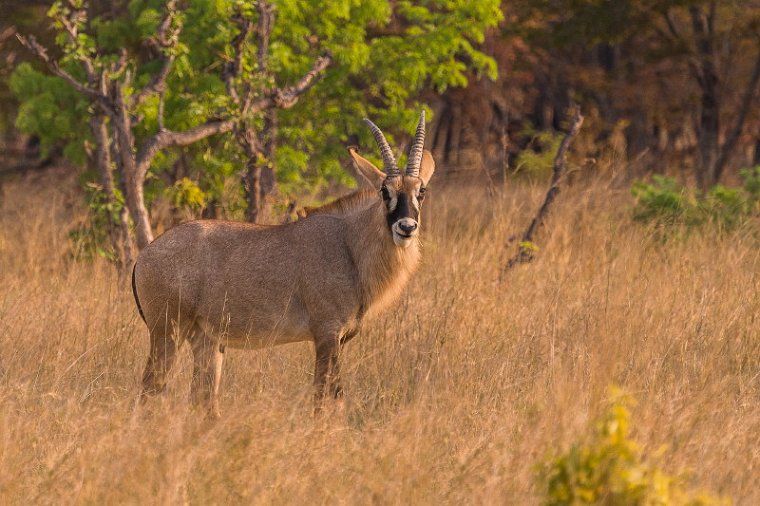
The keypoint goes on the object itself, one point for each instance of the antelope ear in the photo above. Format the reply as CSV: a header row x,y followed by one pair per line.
x,y
427,167
371,174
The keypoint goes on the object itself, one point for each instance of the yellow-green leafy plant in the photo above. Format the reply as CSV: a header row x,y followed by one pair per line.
x,y
608,467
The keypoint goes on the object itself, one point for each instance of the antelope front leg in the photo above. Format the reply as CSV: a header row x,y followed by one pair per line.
x,y
326,369
207,373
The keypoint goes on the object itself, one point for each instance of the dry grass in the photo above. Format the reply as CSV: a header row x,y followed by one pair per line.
x,y
452,398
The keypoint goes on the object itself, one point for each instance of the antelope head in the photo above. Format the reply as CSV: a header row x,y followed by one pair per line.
x,y
402,194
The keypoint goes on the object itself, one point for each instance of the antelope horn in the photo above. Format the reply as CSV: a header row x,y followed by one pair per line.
x,y
389,162
415,152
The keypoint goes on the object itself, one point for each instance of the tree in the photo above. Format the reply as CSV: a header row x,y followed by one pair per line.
x,y
714,27
666,68
109,86
177,79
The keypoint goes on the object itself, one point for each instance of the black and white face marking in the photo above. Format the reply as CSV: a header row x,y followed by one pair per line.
x,y
403,205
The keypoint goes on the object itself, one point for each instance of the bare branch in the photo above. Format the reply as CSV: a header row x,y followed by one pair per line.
x,y
525,249
671,26
673,36
711,18
286,98
700,30
41,53
120,65
263,33
71,26
164,37
161,126
167,138
158,83
7,33
695,71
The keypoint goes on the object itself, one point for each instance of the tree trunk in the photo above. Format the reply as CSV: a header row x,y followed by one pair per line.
x,y
126,239
139,212
105,174
253,190
133,178
118,230
709,128
526,249
709,117
268,178
259,149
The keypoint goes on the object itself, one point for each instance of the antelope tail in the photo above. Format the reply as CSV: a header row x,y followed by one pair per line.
x,y
134,292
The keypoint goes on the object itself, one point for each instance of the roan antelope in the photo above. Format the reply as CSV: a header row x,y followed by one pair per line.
x,y
218,284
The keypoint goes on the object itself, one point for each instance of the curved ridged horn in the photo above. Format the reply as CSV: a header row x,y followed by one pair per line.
x,y
389,161
415,152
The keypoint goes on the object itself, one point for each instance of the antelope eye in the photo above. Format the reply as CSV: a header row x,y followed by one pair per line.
x,y
385,193
421,194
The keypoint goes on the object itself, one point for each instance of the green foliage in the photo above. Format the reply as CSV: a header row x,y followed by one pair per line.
x,y
725,206
385,53
52,110
608,467
91,239
538,159
751,177
666,202
187,194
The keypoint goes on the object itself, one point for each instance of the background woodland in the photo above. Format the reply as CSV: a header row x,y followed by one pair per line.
x,y
239,109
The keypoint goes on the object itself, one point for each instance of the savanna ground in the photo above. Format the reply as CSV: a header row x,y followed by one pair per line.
x,y
452,398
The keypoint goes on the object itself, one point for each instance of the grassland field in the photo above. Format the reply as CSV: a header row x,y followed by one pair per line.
x,y
452,397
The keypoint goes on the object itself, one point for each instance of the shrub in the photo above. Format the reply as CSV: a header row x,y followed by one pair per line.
x,y
751,177
538,160
91,238
608,467
666,202
724,206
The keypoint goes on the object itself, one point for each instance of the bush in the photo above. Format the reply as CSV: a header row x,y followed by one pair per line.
x,y
666,202
538,160
751,177
607,467
92,238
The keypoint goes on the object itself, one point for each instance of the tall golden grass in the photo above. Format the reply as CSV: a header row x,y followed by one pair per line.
x,y
452,398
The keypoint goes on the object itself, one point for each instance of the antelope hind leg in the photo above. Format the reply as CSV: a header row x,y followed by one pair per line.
x,y
207,372
163,352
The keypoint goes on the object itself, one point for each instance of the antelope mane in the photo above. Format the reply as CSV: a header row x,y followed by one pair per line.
x,y
384,268
347,204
